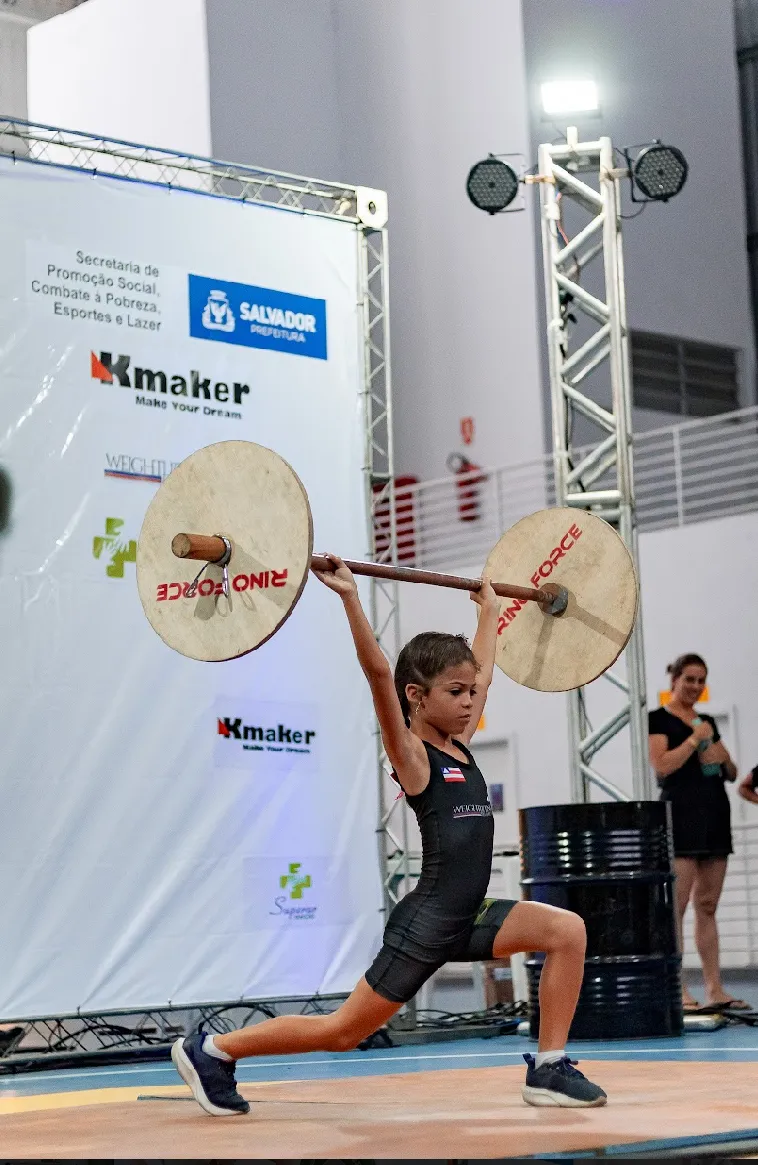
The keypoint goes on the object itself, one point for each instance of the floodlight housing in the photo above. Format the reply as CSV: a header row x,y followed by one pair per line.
x,y
492,185
659,172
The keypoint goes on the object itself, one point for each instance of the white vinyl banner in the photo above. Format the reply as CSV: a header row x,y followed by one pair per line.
x,y
163,840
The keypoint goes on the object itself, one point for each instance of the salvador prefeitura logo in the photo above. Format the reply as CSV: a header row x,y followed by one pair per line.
x,y
257,317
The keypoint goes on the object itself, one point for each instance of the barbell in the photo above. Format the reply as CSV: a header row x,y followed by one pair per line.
x,y
241,510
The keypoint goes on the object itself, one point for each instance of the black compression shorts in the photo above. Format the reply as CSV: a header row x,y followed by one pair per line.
x,y
397,976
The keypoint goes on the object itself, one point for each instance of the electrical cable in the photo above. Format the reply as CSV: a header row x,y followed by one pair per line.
x,y
636,214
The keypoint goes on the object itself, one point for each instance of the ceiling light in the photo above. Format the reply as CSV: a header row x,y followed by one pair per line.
x,y
569,96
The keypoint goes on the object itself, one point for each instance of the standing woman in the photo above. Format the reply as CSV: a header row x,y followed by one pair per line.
x,y
691,764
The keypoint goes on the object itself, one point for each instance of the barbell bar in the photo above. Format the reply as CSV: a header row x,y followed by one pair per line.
x,y
212,548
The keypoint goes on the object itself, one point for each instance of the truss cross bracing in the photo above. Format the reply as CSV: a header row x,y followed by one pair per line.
x,y
581,176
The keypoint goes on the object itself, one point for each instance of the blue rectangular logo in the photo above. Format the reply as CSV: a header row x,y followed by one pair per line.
x,y
257,317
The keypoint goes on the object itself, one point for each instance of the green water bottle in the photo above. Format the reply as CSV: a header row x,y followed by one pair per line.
x,y
710,769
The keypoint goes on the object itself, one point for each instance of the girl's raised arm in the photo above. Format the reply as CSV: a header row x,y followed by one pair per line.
x,y
483,647
405,751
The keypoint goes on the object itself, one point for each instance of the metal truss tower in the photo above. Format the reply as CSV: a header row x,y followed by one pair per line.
x,y
578,181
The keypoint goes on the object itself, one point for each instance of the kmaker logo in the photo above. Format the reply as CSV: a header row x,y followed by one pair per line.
x,y
118,550
257,317
295,882
158,389
259,738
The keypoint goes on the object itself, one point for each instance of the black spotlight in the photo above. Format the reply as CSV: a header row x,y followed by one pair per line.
x,y
659,172
492,185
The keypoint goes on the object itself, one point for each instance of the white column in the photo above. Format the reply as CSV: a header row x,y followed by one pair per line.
x,y
130,69
13,28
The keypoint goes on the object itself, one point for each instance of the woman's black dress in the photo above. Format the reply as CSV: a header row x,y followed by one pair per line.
x,y
700,810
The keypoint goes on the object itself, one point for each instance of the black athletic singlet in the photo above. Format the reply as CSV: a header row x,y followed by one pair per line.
x,y
455,818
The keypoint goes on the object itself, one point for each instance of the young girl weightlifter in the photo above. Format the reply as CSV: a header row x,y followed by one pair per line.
x,y
427,714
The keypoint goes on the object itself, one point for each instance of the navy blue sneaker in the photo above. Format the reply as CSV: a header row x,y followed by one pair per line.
x,y
558,1083
211,1080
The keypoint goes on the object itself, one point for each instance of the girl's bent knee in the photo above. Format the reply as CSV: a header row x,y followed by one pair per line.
x,y
570,931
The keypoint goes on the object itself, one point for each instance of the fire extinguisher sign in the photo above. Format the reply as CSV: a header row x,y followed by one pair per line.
x,y
467,430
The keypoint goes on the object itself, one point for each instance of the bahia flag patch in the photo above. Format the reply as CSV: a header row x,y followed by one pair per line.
x,y
453,775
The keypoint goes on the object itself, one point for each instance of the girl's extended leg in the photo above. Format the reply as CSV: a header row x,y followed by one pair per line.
x,y
207,1064
533,926
362,1013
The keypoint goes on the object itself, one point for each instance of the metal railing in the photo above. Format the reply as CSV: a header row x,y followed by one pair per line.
x,y
690,472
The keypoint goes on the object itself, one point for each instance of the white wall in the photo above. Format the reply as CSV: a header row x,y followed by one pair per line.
x,y
684,573
130,69
439,84
699,584
273,85
13,30
664,71
406,97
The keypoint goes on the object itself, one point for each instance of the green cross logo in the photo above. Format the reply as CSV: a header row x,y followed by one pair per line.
x,y
296,881
120,551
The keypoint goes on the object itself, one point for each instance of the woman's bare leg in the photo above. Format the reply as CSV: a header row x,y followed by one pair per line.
x,y
358,1017
709,881
685,870
533,926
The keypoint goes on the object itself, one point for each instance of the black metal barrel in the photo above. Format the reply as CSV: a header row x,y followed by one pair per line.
x,y
613,865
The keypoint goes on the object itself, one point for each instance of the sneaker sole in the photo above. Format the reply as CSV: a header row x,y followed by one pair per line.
x,y
188,1073
544,1098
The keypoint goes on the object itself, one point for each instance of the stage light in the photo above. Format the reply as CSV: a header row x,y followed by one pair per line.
x,y
569,96
492,185
659,172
